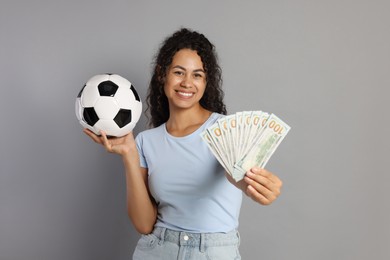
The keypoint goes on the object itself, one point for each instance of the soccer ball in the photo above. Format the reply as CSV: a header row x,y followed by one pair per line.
x,y
110,103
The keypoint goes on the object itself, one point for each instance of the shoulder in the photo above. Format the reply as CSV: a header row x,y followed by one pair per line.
x,y
151,133
214,118
217,115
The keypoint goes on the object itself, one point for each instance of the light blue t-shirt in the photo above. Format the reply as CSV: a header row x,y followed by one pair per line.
x,y
187,182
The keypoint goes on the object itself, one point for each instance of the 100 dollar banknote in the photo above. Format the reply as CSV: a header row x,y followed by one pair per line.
x,y
263,147
244,140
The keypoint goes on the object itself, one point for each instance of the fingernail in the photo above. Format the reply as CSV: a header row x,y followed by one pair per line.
x,y
250,173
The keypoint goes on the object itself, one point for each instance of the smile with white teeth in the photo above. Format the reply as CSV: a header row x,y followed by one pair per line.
x,y
186,94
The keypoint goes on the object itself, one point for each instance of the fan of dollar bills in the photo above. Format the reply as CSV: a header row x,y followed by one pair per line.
x,y
245,139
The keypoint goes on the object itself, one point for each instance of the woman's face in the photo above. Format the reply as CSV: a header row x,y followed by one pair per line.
x,y
185,80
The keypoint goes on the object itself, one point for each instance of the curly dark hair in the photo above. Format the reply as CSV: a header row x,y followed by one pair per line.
x,y
184,38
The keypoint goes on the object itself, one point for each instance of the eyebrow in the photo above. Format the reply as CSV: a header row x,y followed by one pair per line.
x,y
180,67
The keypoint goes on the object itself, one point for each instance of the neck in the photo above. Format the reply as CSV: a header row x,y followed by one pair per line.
x,y
185,121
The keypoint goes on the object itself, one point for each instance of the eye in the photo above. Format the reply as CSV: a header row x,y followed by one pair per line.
x,y
178,72
198,75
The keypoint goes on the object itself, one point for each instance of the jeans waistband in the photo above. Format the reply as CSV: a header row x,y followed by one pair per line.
x,y
201,240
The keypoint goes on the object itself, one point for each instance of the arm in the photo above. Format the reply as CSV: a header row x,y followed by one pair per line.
x,y
260,185
141,207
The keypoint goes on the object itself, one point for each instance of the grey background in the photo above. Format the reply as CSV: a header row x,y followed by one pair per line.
x,y
322,66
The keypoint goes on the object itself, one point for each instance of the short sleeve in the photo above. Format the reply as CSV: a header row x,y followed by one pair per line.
x,y
139,143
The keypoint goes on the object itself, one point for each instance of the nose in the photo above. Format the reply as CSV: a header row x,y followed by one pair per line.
x,y
186,82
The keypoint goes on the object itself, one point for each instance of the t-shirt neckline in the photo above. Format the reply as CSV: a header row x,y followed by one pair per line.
x,y
196,132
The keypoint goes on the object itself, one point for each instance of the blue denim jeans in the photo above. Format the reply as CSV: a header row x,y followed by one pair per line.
x,y
166,244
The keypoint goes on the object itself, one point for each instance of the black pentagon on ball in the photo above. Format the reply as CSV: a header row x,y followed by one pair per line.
x,y
81,91
135,93
90,116
123,117
107,88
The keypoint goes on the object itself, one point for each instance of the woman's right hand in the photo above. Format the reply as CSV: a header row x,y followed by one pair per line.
x,y
119,145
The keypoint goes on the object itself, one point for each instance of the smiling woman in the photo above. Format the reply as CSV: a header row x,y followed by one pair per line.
x,y
178,195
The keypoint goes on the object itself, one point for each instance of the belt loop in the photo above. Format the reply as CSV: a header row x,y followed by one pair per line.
x,y
162,236
202,242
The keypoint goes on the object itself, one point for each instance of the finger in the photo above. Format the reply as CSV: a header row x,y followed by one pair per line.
x,y
263,185
105,141
270,192
261,180
258,197
263,172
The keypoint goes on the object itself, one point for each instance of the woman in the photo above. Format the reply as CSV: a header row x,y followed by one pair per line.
x,y
178,195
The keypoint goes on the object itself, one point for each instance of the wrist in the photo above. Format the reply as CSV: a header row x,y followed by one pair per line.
x,y
129,149
130,155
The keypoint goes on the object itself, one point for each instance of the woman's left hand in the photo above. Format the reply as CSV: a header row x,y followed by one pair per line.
x,y
263,186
